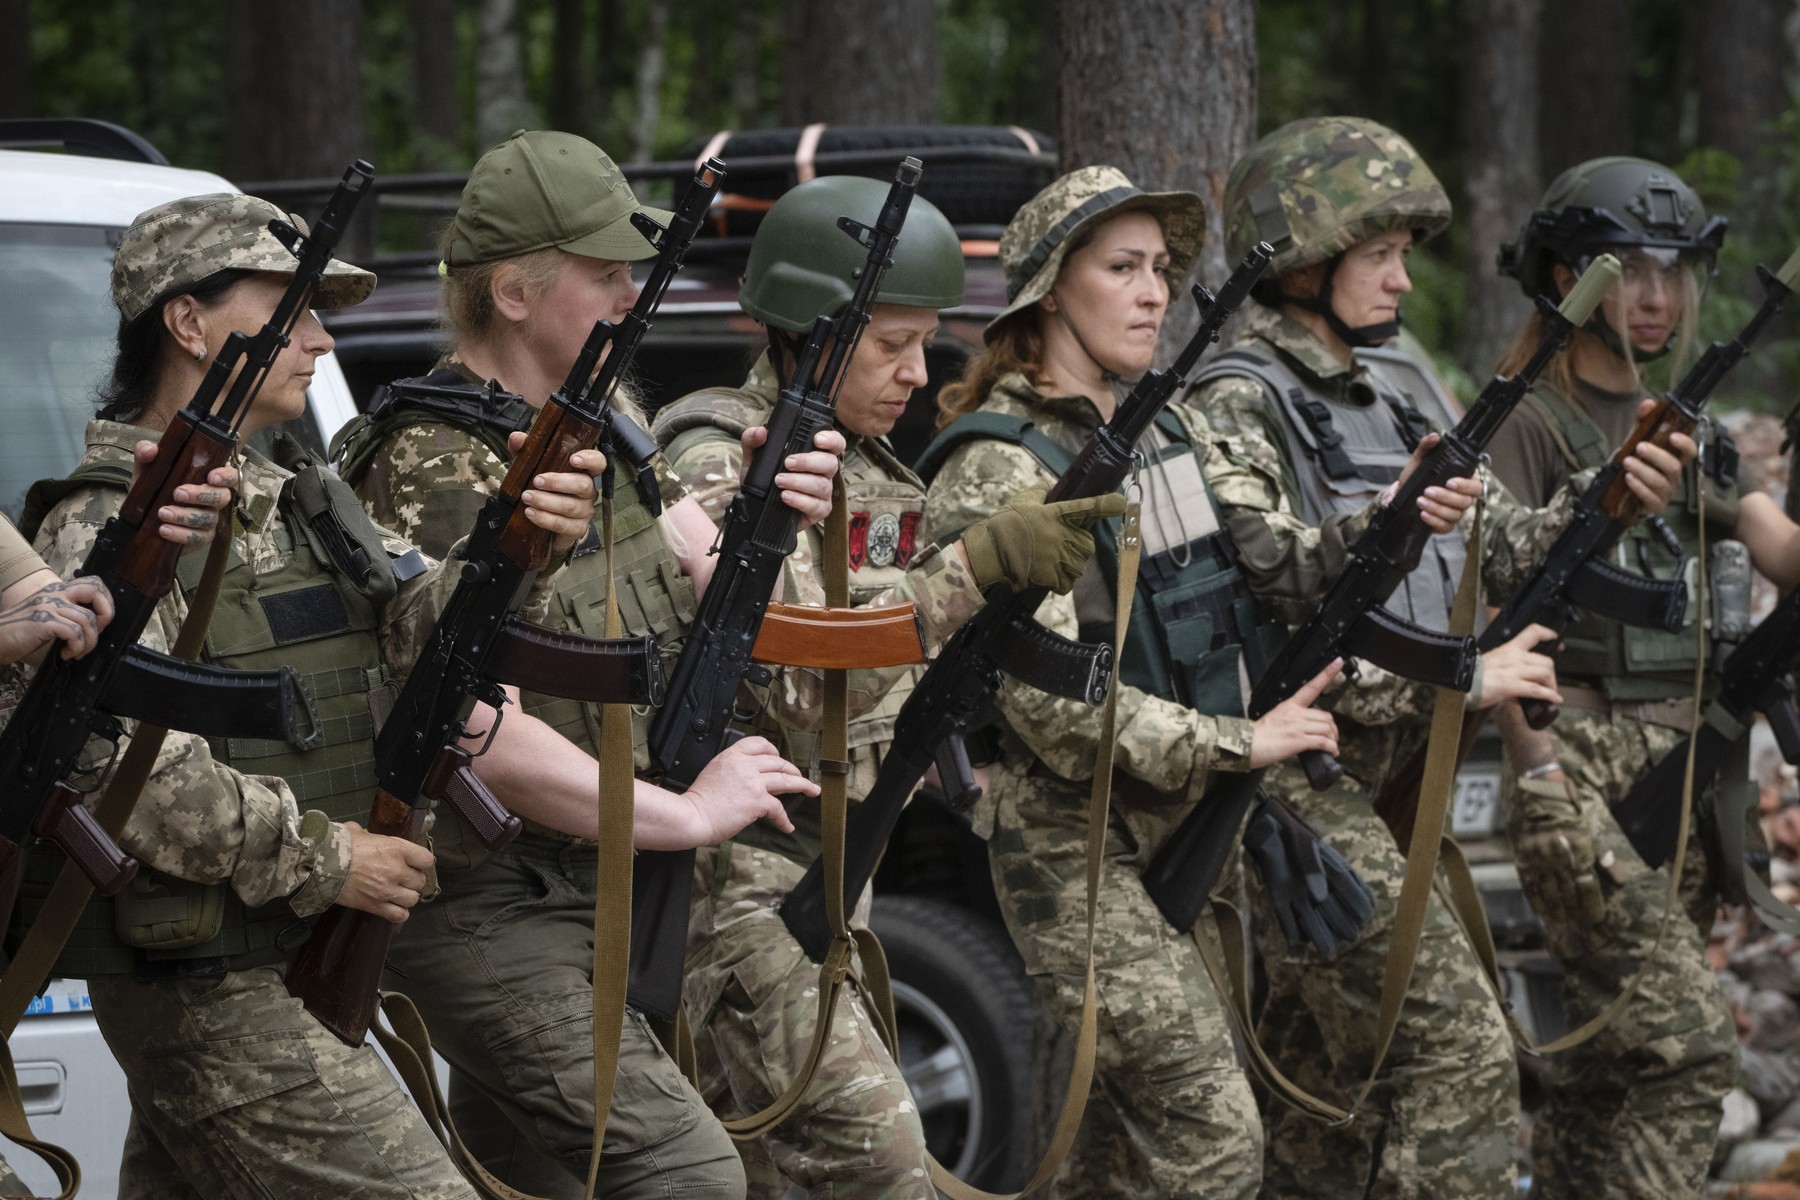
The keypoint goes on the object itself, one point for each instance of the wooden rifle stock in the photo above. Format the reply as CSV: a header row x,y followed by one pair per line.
x,y
839,639
337,973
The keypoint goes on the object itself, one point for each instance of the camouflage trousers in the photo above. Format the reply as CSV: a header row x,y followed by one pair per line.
x,y
1633,1112
1443,1117
500,966
237,1091
1171,1113
753,996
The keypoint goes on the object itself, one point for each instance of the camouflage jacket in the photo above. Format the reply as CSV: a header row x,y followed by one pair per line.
x,y
1291,564
198,818
1165,744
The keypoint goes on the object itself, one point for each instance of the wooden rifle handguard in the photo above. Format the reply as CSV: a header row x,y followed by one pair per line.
x,y
839,639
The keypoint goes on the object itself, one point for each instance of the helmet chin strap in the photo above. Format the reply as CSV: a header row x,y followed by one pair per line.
x,y
1107,376
1356,336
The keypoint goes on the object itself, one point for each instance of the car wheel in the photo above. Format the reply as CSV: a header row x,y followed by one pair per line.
x,y
969,1025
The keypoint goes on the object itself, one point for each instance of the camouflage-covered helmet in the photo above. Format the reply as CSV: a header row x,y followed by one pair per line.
x,y
803,267
1605,204
174,246
1318,186
1040,233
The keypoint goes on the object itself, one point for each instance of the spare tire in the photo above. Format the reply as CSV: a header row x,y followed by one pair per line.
x,y
970,1029
979,175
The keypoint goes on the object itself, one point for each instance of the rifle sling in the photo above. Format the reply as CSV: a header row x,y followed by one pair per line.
x,y
31,966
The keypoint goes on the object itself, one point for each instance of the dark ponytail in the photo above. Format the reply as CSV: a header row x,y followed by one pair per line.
x,y
137,364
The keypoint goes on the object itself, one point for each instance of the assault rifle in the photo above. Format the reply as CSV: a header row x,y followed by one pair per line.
x,y
1003,639
480,643
1757,677
1576,572
1352,622
71,701
758,534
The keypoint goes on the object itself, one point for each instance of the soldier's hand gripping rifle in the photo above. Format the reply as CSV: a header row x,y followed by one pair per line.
x,y
480,643
758,534
1352,621
70,701
1003,639
1576,571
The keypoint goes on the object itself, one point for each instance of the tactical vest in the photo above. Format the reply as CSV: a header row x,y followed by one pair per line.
x,y
1197,634
654,596
886,504
1344,455
1629,662
305,614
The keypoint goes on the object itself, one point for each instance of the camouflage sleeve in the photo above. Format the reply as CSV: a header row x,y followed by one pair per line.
x,y
1167,745
1289,563
197,818
428,482
17,559
1515,538
707,463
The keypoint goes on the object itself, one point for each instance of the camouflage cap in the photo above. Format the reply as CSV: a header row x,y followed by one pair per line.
x,y
1040,233
539,189
1316,187
173,246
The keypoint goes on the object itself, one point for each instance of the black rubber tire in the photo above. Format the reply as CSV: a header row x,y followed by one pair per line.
x,y
965,966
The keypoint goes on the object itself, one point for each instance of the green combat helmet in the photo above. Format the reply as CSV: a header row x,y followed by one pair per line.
x,y
1316,187
1609,204
802,267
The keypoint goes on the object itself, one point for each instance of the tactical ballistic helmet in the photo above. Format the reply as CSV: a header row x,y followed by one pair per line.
x,y
1318,186
1613,204
803,267
174,246
1040,233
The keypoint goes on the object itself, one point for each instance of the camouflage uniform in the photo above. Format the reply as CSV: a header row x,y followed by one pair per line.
x,y
501,963
752,992
1171,1113
1442,1119
1633,1112
235,1089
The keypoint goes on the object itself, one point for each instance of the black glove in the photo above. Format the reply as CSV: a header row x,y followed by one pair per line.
x,y
1314,891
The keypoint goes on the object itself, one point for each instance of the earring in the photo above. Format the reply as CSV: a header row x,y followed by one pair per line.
x,y
200,354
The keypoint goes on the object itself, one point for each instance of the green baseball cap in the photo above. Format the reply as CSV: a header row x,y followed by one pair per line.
x,y
173,246
540,188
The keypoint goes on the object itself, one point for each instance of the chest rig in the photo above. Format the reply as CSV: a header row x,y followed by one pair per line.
x,y
1196,634
1346,454
1634,662
316,610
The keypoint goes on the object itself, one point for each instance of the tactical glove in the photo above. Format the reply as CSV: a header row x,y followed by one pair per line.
x,y
1556,855
1032,544
1316,894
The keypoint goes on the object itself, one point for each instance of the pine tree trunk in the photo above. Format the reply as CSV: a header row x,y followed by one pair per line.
x,y
861,62
16,94
501,105
571,89
652,58
303,113
1165,90
1500,123
746,61
436,67
1586,95
1743,53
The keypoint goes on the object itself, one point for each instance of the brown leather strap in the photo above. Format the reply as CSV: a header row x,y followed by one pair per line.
x,y
37,955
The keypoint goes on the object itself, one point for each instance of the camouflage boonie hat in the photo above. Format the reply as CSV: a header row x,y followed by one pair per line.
x,y
1032,248
173,246
1316,187
540,188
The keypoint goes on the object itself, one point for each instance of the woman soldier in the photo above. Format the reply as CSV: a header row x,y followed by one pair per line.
x,y
235,1088
501,964
1089,262
1313,417
1635,1110
752,990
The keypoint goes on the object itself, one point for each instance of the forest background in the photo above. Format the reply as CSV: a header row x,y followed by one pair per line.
x,y
1499,96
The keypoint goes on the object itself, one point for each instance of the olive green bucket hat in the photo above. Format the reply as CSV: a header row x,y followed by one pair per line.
x,y
539,189
173,246
1040,234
